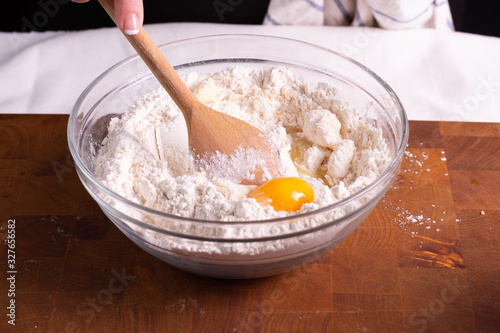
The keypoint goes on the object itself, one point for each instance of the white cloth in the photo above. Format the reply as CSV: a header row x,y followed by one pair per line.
x,y
387,14
438,75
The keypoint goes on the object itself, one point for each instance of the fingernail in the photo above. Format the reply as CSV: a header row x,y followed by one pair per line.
x,y
131,24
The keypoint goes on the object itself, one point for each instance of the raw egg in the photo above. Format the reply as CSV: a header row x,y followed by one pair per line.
x,y
285,193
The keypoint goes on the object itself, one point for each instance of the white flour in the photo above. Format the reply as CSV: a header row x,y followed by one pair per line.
x,y
145,156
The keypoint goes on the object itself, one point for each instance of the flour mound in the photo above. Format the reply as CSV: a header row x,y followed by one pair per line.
x,y
145,157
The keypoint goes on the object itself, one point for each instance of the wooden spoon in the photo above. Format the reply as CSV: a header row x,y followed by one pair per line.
x,y
209,131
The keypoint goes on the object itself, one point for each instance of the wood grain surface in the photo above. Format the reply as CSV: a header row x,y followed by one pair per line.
x,y
426,260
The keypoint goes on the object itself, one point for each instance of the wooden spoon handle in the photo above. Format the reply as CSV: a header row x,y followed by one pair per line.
x,y
160,67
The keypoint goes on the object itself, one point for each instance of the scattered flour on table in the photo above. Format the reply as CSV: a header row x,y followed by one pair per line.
x,y
145,156
417,222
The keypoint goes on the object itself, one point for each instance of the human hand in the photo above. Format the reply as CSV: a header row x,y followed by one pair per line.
x,y
129,15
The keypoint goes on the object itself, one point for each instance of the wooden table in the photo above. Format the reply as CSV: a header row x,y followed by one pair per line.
x,y
426,260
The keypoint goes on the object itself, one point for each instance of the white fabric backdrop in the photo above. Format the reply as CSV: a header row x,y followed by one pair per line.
x,y
438,75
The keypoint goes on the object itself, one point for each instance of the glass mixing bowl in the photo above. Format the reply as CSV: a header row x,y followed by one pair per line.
x,y
248,249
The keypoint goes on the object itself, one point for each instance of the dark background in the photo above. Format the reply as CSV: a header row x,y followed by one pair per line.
x,y
474,16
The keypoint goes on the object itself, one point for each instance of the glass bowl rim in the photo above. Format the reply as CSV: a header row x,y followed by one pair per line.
x,y
390,168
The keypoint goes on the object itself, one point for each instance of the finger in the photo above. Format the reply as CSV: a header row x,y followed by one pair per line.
x,y
129,15
80,1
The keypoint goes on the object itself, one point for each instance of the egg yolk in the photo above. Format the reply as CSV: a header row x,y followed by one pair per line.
x,y
285,193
